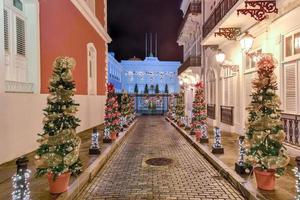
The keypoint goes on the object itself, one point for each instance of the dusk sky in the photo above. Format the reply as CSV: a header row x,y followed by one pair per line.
x,y
130,20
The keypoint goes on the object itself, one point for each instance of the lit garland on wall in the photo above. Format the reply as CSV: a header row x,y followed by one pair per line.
x,y
95,148
297,174
20,180
217,146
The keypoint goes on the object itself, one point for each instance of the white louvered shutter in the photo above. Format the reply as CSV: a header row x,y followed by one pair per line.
x,y
226,91
290,88
20,37
230,91
248,89
6,31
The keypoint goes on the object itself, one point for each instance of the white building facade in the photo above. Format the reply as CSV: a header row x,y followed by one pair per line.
x,y
136,73
228,85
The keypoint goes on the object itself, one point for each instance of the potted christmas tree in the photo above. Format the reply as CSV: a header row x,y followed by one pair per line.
x,y
199,123
59,144
132,109
112,115
171,109
265,136
180,108
125,109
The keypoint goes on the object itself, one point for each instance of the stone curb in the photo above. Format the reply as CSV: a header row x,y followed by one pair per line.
x,y
88,174
244,186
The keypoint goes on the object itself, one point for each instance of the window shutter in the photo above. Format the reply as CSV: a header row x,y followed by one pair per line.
x,y
6,32
290,88
226,91
248,88
230,92
20,36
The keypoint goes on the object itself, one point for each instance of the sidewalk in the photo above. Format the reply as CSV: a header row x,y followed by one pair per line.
x,y
285,185
39,186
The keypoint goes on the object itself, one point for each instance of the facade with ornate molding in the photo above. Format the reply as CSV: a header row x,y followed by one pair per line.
x,y
128,74
35,33
228,84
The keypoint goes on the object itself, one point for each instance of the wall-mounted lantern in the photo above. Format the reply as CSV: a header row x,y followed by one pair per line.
x,y
246,42
220,56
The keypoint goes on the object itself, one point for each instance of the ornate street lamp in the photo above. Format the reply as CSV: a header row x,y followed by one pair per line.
x,y
220,56
246,42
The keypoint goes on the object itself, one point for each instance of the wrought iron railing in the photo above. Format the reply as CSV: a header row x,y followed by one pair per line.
x,y
194,9
291,128
211,111
192,61
227,115
217,15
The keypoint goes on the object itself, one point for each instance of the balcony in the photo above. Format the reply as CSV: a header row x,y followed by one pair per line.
x,y
192,61
211,111
227,115
291,128
191,17
220,11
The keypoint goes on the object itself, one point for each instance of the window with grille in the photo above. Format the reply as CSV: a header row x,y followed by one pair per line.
x,y
250,62
20,37
6,31
292,45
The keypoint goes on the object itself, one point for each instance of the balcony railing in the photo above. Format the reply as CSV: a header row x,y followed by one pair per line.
x,y
220,11
211,111
227,115
291,128
192,61
193,9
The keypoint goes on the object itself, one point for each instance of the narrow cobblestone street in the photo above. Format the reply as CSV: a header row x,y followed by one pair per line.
x,y
127,176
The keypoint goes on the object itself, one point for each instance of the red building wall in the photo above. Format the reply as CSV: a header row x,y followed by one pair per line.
x,y
100,11
65,32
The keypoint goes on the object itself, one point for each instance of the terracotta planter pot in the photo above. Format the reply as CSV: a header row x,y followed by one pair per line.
x,y
198,135
113,136
60,184
265,180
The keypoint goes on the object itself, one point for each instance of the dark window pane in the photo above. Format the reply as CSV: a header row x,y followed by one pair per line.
x,y
288,46
297,43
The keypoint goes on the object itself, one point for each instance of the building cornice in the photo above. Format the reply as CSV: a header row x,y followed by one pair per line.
x,y
82,6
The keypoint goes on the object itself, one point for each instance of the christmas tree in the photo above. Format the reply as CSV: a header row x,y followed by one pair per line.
x,y
136,89
59,149
132,108
166,89
171,108
180,108
156,89
265,135
112,114
199,111
125,109
146,90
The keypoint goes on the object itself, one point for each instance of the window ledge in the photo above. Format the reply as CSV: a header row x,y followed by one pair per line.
x,y
18,87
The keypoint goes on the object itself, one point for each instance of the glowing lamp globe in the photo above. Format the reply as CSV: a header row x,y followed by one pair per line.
x,y
220,56
246,42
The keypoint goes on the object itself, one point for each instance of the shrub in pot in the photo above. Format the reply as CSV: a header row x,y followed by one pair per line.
x,y
265,151
58,153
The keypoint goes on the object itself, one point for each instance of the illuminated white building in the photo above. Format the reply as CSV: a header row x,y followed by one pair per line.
x,y
228,85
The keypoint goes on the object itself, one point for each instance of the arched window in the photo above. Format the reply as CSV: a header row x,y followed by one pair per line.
x,y
211,87
92,69
228,87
